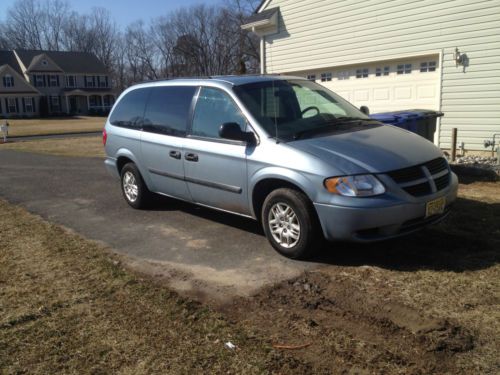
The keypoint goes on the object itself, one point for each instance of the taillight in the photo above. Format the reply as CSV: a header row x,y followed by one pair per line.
x,y
104,137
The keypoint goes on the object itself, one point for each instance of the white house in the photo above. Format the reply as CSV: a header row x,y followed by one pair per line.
x,y
394,54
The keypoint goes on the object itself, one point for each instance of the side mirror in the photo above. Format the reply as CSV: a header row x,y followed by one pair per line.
x,y
365,110
231,130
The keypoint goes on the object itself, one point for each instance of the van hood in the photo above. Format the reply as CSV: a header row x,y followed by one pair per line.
x,y
376,149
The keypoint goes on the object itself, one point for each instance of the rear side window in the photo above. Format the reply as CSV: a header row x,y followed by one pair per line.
x,y
167,110
130,109
214,108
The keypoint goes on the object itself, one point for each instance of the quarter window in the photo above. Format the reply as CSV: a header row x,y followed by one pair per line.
x,y
362,73
326,77
129,111
167,110
428,66
214,108
404,69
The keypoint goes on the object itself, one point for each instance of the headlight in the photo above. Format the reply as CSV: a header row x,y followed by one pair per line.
x,y
355,186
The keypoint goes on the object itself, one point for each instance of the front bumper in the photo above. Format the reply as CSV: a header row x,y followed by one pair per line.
x,y
369,224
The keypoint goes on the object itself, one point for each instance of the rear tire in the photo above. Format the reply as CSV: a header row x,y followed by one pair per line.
x,y
134,190
290,223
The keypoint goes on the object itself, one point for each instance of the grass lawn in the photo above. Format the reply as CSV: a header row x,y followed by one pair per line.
x,y
55,125
78,146
68,307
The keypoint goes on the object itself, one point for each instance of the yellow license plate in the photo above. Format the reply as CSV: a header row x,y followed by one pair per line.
x,y
435,207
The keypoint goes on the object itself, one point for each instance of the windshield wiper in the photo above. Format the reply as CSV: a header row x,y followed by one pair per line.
x,y
347,118
313,131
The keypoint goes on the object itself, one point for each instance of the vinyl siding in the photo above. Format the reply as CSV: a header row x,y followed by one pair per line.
x,y
321,34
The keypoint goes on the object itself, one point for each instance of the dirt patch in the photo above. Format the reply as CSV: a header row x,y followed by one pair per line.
x,y
348,327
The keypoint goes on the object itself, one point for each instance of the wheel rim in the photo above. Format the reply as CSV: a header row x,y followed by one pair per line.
x,y
284,225
130,187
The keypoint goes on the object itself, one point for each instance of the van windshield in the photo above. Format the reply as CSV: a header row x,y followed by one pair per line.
x,y
297,109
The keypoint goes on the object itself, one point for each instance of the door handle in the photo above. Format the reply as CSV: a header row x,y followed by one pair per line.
x,y
175,154
191,157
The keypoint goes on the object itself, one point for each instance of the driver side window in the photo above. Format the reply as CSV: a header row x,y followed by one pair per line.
x,y
312,104
214,108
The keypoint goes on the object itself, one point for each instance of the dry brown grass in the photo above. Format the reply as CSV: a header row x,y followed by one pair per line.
x,y
67,307
56,125
78,146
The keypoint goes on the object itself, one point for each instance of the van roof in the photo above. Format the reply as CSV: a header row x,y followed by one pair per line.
x,y
234,80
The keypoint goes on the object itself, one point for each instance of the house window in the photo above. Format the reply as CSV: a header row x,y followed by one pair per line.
x,y
44,62
39,82
326,77
11,105
28,104
8,81
70,81
89,81
404,69
103,81
343,75
379,72
428,66
53,81
107,101
362,73
311,77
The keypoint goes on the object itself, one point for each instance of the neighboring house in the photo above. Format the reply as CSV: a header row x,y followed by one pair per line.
x,y
35,83
393,55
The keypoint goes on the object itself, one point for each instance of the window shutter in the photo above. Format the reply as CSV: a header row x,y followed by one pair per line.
x,y
33,104
93,81
24,104
17,105
7,105
4,81
0,106
44,80
107,82
57,78
12,81
85,81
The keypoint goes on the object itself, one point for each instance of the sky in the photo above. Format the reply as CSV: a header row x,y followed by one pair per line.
x,y
124,12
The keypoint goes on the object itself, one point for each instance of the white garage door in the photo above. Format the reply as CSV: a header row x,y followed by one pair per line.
x,y
388,85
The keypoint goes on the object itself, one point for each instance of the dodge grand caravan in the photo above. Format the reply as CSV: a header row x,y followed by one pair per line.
x,y
282,150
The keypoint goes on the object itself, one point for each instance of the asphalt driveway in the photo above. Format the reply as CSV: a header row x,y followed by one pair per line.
x,y
194,249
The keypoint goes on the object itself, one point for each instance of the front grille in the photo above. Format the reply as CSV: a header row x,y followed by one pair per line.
x,y
442,182
423,179
419,190
436,165
407,174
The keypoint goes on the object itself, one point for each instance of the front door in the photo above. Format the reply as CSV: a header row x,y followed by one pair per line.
x,y
73,107
215,168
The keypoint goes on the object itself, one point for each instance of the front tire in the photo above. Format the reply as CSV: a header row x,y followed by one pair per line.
x,y
134,190
290,223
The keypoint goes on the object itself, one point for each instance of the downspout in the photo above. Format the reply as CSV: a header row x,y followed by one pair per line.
x,y
263,54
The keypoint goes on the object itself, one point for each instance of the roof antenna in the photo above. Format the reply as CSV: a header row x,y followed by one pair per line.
x,y
275,113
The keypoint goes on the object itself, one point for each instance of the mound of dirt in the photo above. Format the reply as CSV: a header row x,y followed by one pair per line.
x,y
340,325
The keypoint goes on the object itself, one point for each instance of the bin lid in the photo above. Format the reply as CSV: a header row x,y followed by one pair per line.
x,y
417,114
387,118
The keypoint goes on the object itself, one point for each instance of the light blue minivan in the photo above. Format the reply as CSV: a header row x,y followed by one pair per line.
x,y
282,150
